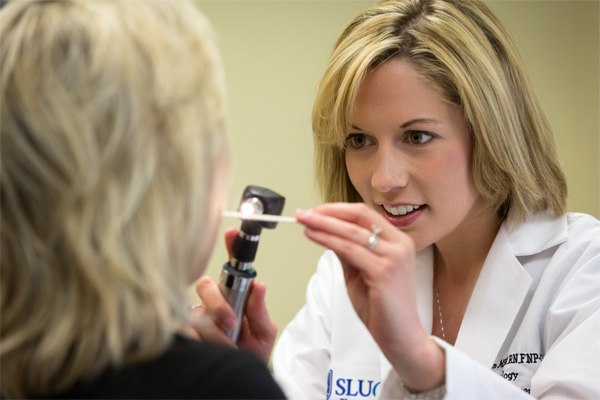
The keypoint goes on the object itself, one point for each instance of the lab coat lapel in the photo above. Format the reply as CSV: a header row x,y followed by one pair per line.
x,y
497,298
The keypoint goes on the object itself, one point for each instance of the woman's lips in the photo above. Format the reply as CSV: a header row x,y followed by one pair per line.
x,y
405,220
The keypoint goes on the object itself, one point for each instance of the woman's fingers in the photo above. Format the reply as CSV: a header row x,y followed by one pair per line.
x,y
214,304
258,330
260,323
362,238
356,213
355,250
211,319
350,229
230,235
345,222
203,327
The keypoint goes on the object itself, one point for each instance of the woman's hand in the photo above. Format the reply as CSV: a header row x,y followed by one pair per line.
x,y
214,316
381,286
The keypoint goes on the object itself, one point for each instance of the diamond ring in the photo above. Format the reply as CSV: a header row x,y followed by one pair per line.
x,y
374,238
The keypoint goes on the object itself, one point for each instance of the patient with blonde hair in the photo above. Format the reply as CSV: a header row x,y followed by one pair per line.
x,y
113,162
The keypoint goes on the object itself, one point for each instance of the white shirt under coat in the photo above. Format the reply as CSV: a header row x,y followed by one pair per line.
x,y
532,324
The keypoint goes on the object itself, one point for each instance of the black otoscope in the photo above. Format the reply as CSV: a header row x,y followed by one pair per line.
x,y
238,273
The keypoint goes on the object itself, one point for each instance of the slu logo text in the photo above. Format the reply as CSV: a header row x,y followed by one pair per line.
x,y
351,387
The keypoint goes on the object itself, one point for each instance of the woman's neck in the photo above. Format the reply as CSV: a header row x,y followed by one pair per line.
x,y
460,255
458,260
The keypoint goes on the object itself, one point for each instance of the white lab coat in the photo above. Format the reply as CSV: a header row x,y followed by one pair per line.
x,y
532,324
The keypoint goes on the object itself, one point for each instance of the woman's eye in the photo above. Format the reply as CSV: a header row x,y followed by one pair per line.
x,y
419,137
357,140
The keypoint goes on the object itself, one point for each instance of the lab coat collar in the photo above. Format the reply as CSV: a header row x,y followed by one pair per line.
x,y
540,232
503,284
495,302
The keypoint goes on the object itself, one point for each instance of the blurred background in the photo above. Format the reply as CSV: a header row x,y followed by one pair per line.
x,y
274,54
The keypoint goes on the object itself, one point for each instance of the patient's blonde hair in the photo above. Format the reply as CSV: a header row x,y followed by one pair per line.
x,y
112,128
463,51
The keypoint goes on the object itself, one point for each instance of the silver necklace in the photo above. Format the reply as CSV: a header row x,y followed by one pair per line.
x,y
437,297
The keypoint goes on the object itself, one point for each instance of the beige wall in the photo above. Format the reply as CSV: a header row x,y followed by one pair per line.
x,y
559,42
274,53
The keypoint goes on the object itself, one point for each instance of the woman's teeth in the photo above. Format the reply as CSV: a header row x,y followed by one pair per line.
x,y
400,210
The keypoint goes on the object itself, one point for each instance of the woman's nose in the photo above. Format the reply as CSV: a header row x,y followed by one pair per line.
x,y
389,172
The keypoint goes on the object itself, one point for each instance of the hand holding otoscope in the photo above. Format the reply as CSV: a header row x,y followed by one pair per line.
x,y
239,273
213,319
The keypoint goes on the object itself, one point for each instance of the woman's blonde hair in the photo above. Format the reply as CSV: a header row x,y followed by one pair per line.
x,y
463,51
112,128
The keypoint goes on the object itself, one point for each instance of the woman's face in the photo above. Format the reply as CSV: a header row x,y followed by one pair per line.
x,y
408,154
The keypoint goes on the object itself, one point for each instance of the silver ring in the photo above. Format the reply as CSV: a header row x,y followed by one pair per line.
x,y
374,238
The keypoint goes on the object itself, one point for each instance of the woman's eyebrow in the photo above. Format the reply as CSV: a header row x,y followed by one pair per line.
x,y
409,123
419,120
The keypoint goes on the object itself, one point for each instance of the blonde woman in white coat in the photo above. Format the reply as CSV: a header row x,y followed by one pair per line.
x,y
457,273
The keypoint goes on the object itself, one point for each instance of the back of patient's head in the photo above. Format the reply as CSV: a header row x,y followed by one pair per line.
x,y
112,128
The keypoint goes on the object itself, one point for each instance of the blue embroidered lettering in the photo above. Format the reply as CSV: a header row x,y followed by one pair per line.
x,y
360,388
375,388
349,390
340,384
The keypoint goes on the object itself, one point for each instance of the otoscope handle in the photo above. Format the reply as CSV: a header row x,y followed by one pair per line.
x,y
238,274
235,286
